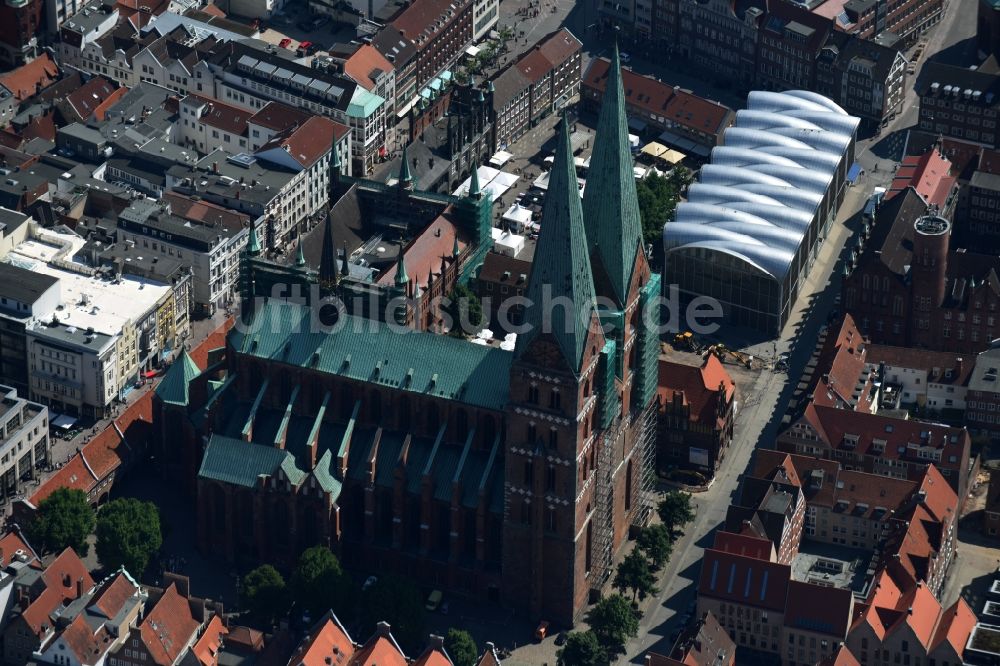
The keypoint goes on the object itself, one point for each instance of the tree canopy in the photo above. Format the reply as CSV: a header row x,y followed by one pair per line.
x,y
264,595
461,647
465,311
64,520
656,543
319,584
128,534
634,574
675,510
582,649
613,621
399,602
658,196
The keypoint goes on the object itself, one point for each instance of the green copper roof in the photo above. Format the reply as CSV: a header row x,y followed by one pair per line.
x,y
363,103
404,168
173,388
328,257
401,277
610,203
474,189
369,351
253,243
240,463
565,267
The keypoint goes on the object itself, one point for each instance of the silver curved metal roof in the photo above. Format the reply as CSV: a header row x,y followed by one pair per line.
x,y
719,174
767,120
758,198
732,156
744,137
765,100
720,194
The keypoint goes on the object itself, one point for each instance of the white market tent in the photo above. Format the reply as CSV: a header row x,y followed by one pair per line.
x,y
500,158
518,217
492,181
509,244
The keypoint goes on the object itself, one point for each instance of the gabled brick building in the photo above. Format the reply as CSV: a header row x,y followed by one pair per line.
x,y
697,407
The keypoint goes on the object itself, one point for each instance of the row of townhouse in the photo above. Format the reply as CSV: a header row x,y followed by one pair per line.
x,y
777,45
782,579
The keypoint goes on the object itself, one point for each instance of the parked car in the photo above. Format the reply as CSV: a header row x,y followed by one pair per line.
x,y
371,580
434,600
285,43
624,56
561,638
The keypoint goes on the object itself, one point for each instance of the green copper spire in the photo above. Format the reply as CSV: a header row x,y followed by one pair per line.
x,y
610,203
564,271
173,389
401,277
455,250
253,243
300,256
328,260
405,179
344,269
474,191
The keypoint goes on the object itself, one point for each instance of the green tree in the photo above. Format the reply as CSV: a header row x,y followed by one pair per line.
x,y
64,520
675,510
658,197
319,584
613,621
399,602
582,649
634,574
128,534
465,311
656,543
264,594
461,647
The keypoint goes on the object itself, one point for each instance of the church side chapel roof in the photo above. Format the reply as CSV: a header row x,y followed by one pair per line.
x,y
375,353
231,460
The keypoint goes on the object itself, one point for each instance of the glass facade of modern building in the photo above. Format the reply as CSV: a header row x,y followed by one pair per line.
x,y
753,222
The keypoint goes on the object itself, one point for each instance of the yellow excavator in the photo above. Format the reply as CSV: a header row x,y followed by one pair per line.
x,y
722,352
684,340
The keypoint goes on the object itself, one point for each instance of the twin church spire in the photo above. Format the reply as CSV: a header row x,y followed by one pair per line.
x,y
604,229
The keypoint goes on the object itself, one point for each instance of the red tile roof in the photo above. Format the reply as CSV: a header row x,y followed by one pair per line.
x,y
699,388
219,115
840,368
206,650
424,252
168,628
937,364
421,17
379,651
205,212
86,644
955,626
560,46
433,656
110,597
819,608
64,579
73,474
842,657
278,116
659,99
10,543
742,544
42,126
31,78
309,141
929,174
362,64
85,100
328,640
534,65
744,580
703,643
214,340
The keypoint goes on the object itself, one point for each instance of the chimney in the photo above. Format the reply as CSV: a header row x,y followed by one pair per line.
x,y
215,167
79,587
436,642
383,629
